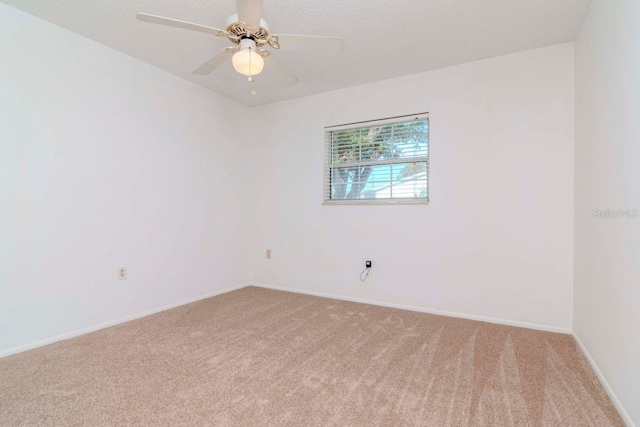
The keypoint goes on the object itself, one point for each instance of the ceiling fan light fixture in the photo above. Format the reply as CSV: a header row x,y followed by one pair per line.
x,y
247,60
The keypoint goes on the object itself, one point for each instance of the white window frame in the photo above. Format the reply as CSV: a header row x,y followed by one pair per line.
x,y
370,123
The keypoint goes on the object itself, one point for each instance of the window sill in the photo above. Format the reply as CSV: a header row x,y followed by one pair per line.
x,y
377,202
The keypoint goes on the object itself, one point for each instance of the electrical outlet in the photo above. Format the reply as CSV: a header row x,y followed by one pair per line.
x,y
122,273
268,253
367,264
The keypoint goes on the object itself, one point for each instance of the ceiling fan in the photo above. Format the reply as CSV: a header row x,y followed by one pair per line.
x,y
250,35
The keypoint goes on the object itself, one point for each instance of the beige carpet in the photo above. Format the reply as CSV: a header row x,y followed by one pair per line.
x,y
263,357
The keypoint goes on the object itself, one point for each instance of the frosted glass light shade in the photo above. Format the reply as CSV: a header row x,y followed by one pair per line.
x,y
248,62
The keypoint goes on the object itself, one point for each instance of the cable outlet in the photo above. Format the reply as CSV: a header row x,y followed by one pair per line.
x,y
122,273
367,264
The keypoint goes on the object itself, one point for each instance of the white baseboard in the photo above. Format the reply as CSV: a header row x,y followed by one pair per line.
x,y
614,399
507,322
103,325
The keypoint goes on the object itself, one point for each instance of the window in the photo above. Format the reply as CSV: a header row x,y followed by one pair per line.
x,y
382,161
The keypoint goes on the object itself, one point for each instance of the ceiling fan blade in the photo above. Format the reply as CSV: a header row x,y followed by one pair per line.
x,y
220,58
180,24
278,69
334,45
249,11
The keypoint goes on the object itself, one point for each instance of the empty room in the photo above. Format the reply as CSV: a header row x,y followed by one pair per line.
x,y
321,213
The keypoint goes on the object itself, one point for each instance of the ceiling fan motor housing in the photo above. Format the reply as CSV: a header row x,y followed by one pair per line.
x,y
239,31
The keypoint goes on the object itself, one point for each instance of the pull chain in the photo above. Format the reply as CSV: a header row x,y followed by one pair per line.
x,y
251,79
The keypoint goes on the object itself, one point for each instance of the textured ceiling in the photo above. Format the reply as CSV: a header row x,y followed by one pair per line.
x,y
384,38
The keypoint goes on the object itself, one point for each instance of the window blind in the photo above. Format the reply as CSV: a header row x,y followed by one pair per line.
x,y
382,161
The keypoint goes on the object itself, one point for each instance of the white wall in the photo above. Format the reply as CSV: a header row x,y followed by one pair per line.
x,y
496,239
607,156
106,161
